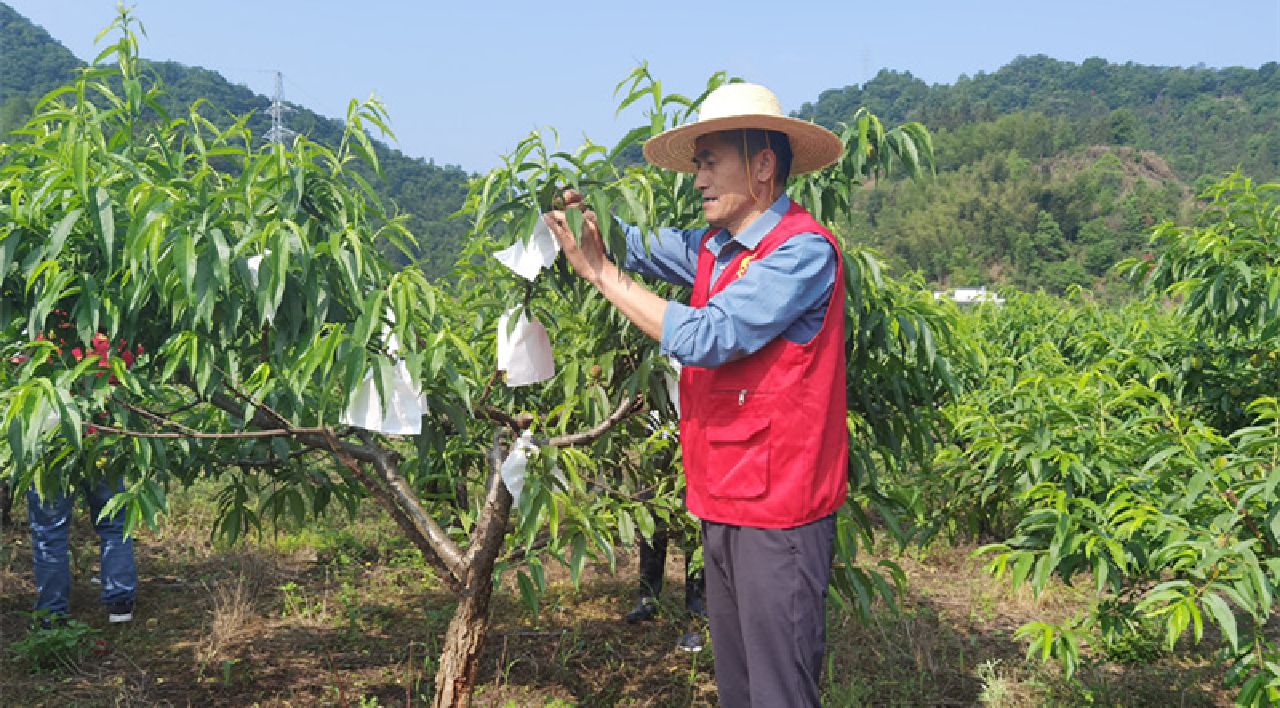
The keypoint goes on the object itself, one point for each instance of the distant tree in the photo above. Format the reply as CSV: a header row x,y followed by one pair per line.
x,y
14,112
31,62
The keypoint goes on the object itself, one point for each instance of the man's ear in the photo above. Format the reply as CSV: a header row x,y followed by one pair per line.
x,y
766,165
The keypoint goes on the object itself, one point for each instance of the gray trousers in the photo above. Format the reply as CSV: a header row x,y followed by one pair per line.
x,y
766,598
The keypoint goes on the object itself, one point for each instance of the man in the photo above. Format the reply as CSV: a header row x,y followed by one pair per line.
x,y
763,386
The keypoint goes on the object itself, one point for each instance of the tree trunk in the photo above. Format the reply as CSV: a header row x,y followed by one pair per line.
x,y
463,647
464,640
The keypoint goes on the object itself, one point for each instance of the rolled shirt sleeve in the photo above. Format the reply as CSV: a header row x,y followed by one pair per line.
x,y
672,254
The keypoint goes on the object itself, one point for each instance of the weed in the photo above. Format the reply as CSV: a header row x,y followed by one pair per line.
x,y
569,646
406,558
423,683
854,694
851,694
352,605
995,687
693,669
232,610
227,666
53,643
297,604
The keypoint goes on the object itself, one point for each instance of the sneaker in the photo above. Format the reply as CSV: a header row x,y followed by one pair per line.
x,y
691,643
120,612
644,611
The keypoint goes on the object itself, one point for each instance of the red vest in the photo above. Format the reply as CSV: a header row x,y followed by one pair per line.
x,y
764,437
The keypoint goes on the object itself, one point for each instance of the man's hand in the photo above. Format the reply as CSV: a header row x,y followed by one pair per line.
x,y
587,258
640,306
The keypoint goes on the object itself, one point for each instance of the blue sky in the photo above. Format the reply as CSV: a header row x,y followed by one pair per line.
x,y
465,81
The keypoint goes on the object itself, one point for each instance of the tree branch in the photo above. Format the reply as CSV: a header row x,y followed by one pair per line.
x,y
187,433
408,504
625,408
445,561
435,544
281,421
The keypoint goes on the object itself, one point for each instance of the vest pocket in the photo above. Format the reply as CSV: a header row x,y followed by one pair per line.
x,y
738,458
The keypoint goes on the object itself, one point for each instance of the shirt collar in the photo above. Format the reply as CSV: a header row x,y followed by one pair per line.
x,y
756,231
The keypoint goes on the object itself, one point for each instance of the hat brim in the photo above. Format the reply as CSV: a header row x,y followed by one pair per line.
x,y
813,147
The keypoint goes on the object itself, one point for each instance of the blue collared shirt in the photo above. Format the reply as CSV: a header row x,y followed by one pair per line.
x,y
783,294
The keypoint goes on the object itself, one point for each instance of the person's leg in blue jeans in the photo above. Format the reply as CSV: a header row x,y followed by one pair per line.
x,y
118,570
50,525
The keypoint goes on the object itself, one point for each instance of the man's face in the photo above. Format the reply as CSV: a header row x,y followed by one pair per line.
x,y
725,184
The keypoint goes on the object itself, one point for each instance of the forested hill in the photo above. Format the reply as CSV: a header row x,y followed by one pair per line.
x,y
33,63
1201,121
30,60
1048,171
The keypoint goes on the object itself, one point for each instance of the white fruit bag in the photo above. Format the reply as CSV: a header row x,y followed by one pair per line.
x,y
524,350
528,256
405,405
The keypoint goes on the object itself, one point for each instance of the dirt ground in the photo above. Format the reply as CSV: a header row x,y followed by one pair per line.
x,y
350,617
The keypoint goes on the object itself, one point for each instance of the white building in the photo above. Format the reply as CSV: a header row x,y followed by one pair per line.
x,y
965,297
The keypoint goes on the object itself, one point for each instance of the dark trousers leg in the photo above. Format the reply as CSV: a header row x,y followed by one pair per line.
x,y
6,505
695,590
766,598
653,563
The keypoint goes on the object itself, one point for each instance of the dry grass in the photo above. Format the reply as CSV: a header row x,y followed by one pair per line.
x,y
233,610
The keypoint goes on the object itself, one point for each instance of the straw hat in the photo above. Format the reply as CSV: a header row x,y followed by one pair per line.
x,y
735,106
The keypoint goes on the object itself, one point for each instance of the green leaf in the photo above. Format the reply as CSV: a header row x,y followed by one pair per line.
x,y
1222,614
184,262
70,419
529,596
626,529
9,240
1021,568
133,94
104,223
80,168
57,237
577,557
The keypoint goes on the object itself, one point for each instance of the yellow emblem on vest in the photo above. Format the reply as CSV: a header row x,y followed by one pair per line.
x,y
746,261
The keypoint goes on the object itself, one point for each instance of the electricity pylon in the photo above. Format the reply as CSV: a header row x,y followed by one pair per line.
x,y
278,133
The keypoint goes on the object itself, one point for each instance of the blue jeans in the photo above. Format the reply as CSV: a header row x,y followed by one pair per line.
x,y
50,526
